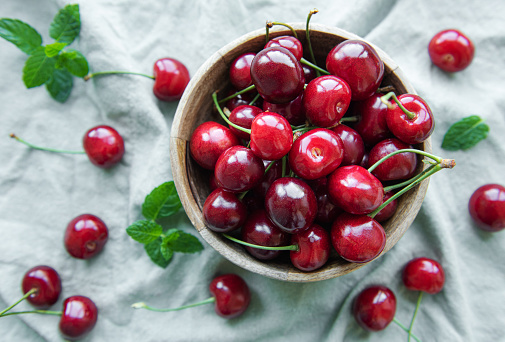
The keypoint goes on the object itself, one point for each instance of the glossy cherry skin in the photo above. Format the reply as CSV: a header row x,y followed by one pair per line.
x,y
48,284
291,204
232,295
326,100
78,318
277,75
259,230
357,63
374,308
372,125
357,238
316,153
309,73
223,211
423,274
170,79
240,71
400,166
208,141
354,147
487,207
288,42
411,130
271,136
293,111
389,210
104,146
451,50
274,172
314,248
355,190
243,116
238,169
85,236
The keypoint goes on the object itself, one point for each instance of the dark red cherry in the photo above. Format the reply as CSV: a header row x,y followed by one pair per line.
x,y
208,141
291,204
46,281
293,111
354,148
372,125
240,71
85,236
288,42
314,248
487,207
243,116
78,318
104,146
271,136
358,64
389,210
238,169
274,172
309,73
242,99
400,166
327,211
223,211
325,100
277,75
357,238
451,50
423,274
232,295
170,79
355,190
374,308
316,153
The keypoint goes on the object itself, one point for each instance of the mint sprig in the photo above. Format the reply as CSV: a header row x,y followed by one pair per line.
x,y
52,64
160,245
465,134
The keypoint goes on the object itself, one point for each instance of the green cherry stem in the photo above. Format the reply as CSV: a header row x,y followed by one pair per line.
x,y
225,118
307,33
405,329
142,305
270,24
43,312
437,159
254,99
415,313
101,73
268,248
26,295
314,66
407,182
35,147
385,100
240,92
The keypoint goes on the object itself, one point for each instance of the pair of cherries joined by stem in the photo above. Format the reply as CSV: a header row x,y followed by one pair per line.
x,y
41,286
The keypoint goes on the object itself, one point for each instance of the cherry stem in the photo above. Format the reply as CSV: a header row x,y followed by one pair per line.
x,y
407,182
101,73
385,100
254,99
270,24
385,89
284,161
225,118
437,159
415,313
268,248
240,92
405,329
314,66
12,135
43,312
26,295
307,33
142,305
349,119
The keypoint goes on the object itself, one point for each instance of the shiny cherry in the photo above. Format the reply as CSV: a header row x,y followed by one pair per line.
x,y
400,166
223,211
487,207
232,295
104,146
358,64
326,100
293,111
374,308
271,136
389,210
327,211
451,50
274,172
243,116
240,71
238,169
423,274
371,125
85,236
78,318
354,148
170,79
47,283
310,73
288,42
314,248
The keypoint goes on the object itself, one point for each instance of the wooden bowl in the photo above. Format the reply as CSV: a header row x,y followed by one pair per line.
x,y
192,181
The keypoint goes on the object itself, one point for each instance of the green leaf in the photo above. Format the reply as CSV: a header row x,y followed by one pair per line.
x,y
182,242
25,37
38,69
60,85
163,201
75,62
54,49
153,249
144,231
66,24
465,133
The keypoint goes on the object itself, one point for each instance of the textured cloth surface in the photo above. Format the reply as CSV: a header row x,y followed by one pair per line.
x,y
41,192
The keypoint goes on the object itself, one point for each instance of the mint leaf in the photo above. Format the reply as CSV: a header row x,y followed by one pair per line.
x,y
75,62
465,133
54,49
144,231
153,249
163,201
66,24
60,85
183,242
25,37
38,68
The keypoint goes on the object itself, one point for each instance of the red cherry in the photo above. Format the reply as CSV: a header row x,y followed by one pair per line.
x,y
389,210
240,71
78,318
374,308
310,73
104,146
451,50
274,172
46,281
232,295
293,111
243,116
170,79
238,169
424,274
85,236
400,166
327,211
271,136
288,42
487,207
223,211
354,148
313,248
242,99
372,125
